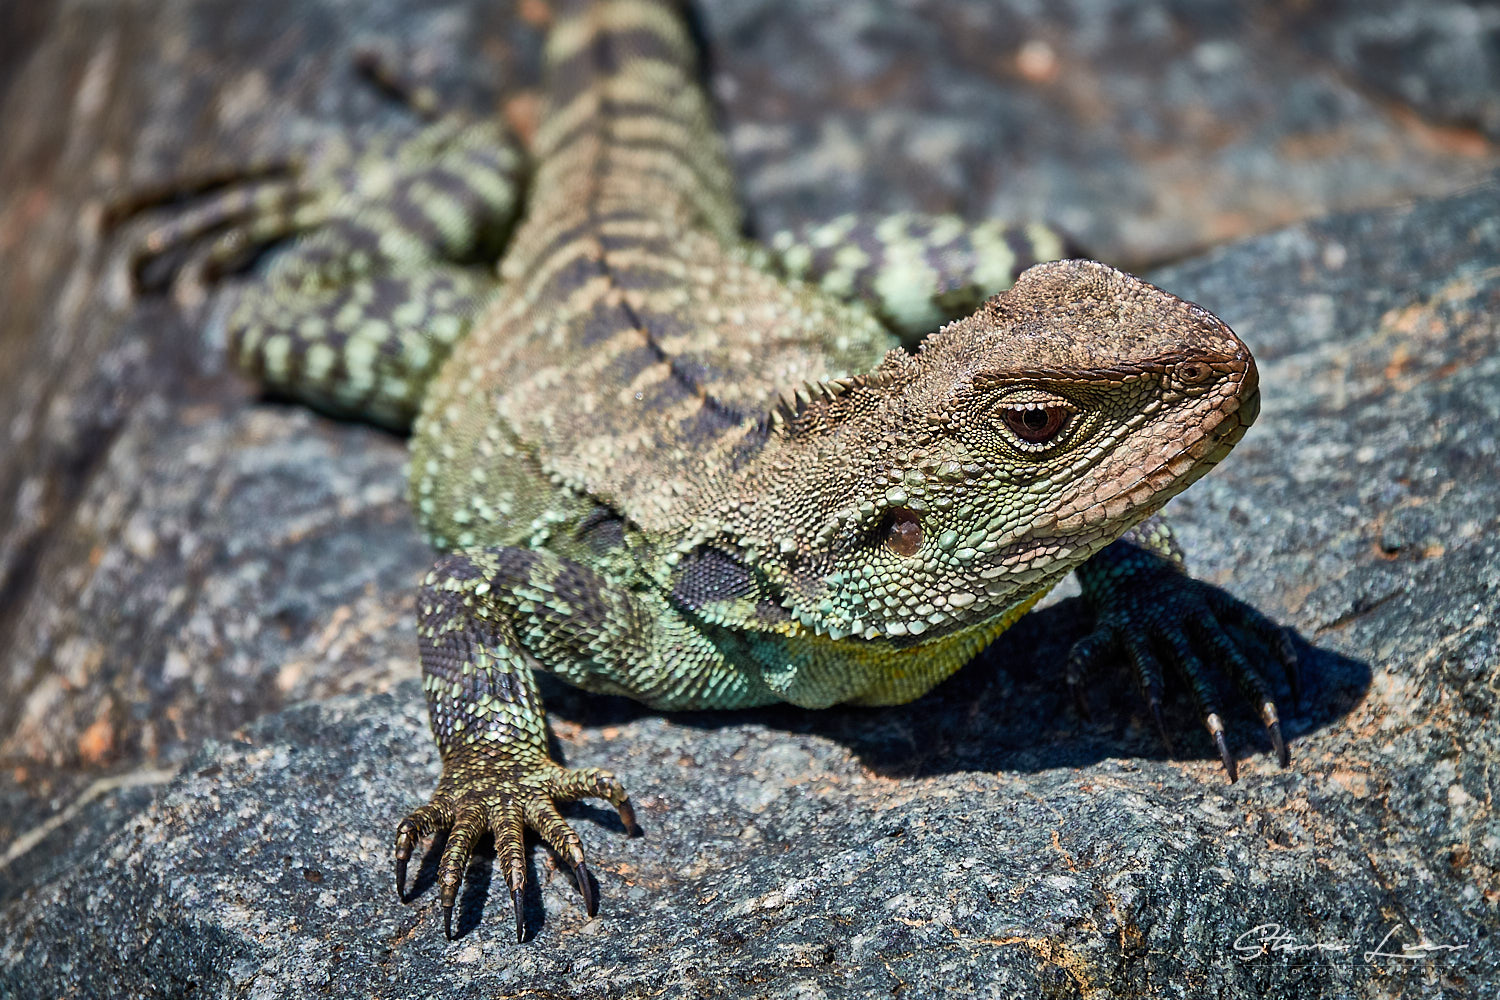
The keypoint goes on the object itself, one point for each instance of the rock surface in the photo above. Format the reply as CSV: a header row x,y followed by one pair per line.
x,y
177,560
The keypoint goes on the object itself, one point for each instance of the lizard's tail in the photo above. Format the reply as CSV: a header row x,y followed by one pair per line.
x,y
626,117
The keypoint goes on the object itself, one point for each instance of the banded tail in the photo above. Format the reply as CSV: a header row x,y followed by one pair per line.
x,y
627,123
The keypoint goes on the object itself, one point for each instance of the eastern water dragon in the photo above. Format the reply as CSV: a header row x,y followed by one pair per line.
x,y
664,462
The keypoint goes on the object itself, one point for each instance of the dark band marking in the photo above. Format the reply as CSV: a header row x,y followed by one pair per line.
x,y
708,575
610,53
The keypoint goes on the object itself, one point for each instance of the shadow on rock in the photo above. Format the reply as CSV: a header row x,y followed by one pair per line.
x,y
1010,710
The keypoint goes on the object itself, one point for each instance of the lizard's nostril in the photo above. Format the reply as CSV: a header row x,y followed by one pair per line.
x,y
1193,372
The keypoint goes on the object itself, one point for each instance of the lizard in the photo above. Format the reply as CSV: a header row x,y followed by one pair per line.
x,y
665,462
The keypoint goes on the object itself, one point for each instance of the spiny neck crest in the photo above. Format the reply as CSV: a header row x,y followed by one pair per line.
x,y
823,405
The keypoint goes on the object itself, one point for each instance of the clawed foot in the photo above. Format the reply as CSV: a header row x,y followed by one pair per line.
x,y
1168,616
355,191
485,795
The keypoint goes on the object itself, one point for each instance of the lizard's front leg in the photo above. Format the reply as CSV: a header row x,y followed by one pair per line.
x,y
1147,606
487,619
491,728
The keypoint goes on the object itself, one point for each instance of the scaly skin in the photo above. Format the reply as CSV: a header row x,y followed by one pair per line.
x,y
702,474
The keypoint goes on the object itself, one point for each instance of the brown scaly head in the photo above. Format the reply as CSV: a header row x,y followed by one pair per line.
x,y
943,489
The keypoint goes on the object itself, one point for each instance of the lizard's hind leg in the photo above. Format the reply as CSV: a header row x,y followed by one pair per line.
x,y
355,321
914,270
396,242
199,242
359,313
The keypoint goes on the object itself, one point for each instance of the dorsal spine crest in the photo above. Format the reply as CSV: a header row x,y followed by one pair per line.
x,y
820,403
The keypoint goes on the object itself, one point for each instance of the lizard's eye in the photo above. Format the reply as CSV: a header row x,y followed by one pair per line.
x,y
903,532
1036,424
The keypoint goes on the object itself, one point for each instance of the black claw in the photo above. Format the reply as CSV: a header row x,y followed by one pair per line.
x,y
1279,745
627,816
515,902
586,886
448,921
401,878
1229,763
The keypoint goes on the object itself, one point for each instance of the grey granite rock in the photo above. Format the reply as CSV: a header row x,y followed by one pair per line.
x,y
1147,129
177,559
1441,59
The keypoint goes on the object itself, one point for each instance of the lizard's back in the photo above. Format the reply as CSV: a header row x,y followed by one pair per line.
x,y
633,344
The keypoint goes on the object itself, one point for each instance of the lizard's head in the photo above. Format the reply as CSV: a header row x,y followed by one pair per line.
x,y
945,488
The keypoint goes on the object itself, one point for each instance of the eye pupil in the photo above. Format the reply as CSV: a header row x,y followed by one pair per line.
x,y
1036,425
903,532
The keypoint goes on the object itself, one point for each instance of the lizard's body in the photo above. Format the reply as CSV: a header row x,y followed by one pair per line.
x,y
630,261
663,469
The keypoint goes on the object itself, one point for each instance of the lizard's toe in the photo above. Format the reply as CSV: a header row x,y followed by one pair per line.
x,y
469,825
1150,677
1277,639
1212,634
1195,630
592,783
542,816
1088,653
422,823
471,802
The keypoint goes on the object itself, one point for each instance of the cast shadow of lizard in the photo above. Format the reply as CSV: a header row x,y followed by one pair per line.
x,y
1009,710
